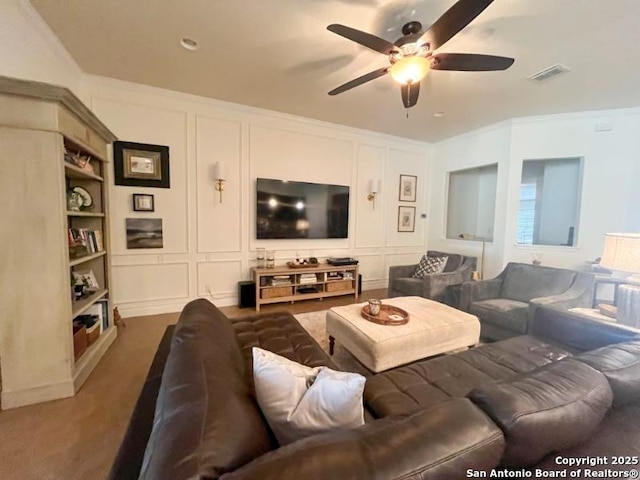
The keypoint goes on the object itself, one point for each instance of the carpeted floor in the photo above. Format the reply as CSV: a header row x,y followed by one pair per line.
x,y
315,323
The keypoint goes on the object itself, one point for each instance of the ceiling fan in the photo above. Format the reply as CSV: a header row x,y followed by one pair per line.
x,y
412,55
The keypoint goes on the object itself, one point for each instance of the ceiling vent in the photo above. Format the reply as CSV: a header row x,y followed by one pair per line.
x,y
549,72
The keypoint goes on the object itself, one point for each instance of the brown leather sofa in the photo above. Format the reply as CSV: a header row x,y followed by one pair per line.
x,y
509,404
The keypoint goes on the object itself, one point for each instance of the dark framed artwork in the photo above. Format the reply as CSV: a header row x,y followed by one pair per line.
x,y
143,202
406,219
144,233
141,164
408,184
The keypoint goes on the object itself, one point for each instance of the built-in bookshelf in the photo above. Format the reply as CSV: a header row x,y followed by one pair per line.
x,y
55,195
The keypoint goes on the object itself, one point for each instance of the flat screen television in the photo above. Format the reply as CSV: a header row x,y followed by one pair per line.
x,y
301,210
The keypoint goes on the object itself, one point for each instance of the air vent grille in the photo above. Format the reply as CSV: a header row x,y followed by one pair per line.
x,y
549,72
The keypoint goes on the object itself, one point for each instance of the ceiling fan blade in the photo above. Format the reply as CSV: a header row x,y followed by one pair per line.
x,y
410,94
360,80
371,41
470,62
452,21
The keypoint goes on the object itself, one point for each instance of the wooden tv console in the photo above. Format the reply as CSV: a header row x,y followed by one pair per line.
x,y
273,286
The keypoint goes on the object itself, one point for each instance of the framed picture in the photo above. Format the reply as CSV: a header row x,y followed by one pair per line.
x,y
144,233
406,219
141,164
86,278
143,203
408,185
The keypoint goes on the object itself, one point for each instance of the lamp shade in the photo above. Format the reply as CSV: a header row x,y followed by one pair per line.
x,y
410,70
218,171
621,252
374,186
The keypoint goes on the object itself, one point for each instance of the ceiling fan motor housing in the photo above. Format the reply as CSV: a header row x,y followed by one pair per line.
x,y
409,50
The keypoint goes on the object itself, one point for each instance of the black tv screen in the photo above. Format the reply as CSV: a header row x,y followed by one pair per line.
x,y
301,210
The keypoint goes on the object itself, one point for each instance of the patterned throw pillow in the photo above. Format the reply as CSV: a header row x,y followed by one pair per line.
x,y
430,265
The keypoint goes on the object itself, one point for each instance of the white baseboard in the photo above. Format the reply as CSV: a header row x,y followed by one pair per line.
x,y
43,393
145,308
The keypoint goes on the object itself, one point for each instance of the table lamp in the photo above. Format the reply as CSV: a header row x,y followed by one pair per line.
x,y
622,253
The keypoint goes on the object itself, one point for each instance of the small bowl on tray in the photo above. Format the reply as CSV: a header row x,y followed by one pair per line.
x,y
388,315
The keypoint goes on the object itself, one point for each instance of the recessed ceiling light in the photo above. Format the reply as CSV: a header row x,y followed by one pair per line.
x,y
189,44
438,114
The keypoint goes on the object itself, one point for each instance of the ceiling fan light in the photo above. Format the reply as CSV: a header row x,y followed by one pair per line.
x,y
410,70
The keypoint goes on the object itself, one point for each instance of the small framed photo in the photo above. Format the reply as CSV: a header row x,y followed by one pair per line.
x,y
141,164
408,184
143,203
406,219
86,278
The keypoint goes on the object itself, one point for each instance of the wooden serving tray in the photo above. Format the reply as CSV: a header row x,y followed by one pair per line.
x,y
302,265
383,317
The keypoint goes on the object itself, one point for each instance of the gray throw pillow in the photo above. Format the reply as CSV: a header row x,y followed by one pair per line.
x,y
430,265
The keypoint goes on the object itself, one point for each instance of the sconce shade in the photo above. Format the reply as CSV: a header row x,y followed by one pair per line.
x,y
219,171
374,186
621,252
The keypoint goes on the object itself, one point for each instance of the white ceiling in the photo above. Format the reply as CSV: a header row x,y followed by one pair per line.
x,y
278,55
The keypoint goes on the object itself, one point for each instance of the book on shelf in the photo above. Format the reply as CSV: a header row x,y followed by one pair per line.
x,y
83,241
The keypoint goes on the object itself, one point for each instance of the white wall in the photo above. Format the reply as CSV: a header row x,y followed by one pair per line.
x,y
31,51
609,143
209,246
480,148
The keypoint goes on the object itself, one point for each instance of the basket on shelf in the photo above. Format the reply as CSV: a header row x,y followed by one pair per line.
x,y
79,340
273,292
93,333
339,285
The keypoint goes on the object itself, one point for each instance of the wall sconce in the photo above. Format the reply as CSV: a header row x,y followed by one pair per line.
x,y
219,177
374,189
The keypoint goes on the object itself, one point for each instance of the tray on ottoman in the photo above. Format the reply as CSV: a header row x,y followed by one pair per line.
x,y
386,315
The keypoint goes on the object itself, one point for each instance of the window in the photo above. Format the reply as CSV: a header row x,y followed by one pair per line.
x,y
472,202
549,205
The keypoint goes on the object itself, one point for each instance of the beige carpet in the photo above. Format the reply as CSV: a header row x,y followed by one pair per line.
x,y
315,323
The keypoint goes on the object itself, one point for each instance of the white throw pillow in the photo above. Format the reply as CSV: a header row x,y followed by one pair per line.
x,y
300,401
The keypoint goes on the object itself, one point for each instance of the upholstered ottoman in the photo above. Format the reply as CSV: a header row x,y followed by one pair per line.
x,y
433,328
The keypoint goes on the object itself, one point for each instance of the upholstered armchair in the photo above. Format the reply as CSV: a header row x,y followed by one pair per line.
x,y
506,304
458,269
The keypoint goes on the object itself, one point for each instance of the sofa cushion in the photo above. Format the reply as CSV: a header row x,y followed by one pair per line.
x,y
207,421
280,333
430,265
438,443
506,313
621,365
422,384
553,408
409,286
523,282
300,401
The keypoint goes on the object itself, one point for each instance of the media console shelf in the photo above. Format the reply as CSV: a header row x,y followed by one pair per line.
x,y
285,284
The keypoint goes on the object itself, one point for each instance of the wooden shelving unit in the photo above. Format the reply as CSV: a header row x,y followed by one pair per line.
x,y
38,122
272,285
